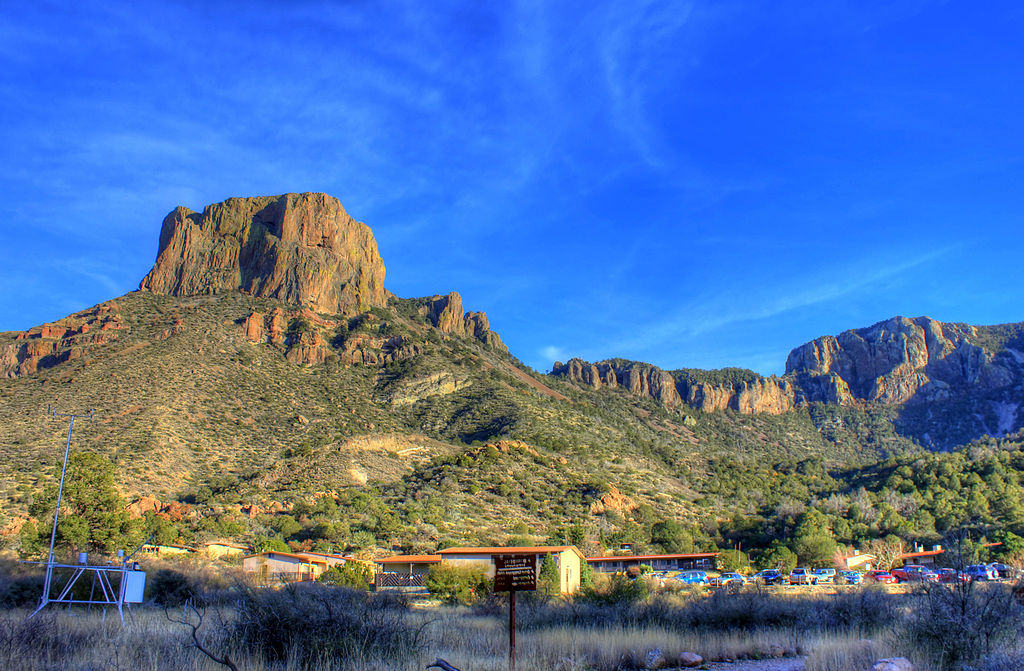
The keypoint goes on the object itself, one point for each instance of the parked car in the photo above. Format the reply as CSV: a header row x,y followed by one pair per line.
x,y
914,573
801,576
693,577
882,576
1002,570
824,576
728,579
981,572
850,577
951,575
769,576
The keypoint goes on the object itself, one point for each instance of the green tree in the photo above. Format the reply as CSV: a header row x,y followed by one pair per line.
x,y
269,543
549,580
733,560
586,576
352,574
815,550
93,515
779,556
286,525
457,584
161,530
672,536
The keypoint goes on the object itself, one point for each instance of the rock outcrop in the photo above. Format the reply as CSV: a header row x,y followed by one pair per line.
x,y
772,395
437,384
898,360
70,338
299,248
639,379
445,312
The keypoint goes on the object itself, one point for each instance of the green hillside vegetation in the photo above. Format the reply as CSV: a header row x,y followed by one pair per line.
x,y
461,443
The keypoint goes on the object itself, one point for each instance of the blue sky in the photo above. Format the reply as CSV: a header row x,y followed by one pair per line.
x,y
686,183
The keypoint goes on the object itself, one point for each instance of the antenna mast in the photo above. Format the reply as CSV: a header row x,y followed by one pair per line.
x,y
52,411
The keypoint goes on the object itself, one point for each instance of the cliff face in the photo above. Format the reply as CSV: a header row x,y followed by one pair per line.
x,y
896,362
445,312
639,379
901,359
771,395
299,248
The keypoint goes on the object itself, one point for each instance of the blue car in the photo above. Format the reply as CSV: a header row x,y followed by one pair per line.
x,y
769,576
693,577
851,577
981,572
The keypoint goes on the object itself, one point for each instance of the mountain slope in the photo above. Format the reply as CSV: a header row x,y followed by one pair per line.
x,y
262,370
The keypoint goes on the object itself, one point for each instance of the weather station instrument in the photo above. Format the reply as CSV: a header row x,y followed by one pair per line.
x,y
110,584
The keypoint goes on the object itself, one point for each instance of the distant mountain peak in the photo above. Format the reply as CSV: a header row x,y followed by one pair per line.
x,y
301,248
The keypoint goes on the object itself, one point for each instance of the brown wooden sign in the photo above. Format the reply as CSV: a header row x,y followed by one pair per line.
x,y
515,573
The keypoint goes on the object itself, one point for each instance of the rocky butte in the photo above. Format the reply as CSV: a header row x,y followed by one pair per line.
x,y
299,248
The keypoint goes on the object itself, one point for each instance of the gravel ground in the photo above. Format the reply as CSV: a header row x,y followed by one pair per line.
x,y
787,664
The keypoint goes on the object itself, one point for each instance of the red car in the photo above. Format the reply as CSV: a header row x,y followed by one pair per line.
x,y
948,575
914,573
882,577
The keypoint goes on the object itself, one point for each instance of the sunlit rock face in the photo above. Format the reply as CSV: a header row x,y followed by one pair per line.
x,y
299,248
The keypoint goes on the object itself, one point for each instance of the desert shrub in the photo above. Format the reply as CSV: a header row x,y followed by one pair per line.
x,y
864,610
168,587
457,584
18,586
724,610
618,590
173,584
960,626
310,625
350,574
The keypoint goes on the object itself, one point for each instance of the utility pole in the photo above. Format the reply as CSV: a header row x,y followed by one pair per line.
x,y
52,411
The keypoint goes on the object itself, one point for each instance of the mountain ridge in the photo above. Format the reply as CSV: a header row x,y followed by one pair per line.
x,y
897,361
254,386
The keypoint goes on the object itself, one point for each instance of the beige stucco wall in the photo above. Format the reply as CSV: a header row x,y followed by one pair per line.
x,y
569,567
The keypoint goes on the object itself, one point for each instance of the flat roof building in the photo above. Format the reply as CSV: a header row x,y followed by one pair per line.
x,y
671,562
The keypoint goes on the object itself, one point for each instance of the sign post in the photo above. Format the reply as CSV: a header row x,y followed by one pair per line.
x,y
514,573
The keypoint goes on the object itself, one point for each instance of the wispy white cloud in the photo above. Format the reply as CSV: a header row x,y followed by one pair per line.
x,y
552,353
748,302
633,43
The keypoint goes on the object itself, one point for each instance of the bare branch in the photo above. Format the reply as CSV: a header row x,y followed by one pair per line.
x,y
225,660
441,664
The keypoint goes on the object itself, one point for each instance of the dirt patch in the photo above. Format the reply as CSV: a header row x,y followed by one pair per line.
x,y
536,384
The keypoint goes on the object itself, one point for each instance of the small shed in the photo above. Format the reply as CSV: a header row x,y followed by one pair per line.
x,y
863,562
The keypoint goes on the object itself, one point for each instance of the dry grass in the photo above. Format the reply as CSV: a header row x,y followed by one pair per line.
x,y
847,654
150,642
316,629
